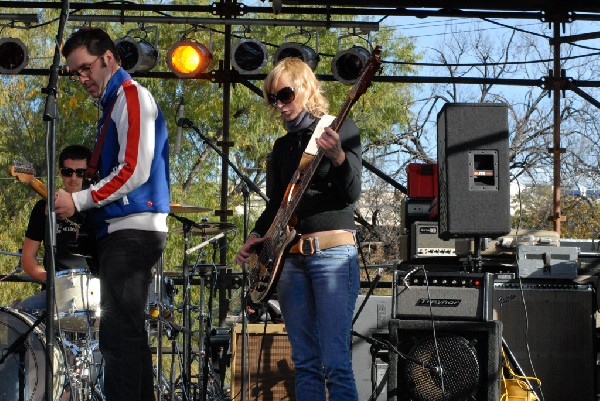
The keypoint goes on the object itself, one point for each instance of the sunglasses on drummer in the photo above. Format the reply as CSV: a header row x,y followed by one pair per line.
x,y
284,95
68,171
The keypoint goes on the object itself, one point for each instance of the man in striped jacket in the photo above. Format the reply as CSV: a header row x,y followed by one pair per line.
x,y
129,204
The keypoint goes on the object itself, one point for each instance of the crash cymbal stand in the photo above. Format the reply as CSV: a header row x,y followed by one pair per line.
x,y
158,290
205,340
246,185
186,307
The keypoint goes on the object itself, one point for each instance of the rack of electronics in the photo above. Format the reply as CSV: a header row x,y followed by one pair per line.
x,y
481,310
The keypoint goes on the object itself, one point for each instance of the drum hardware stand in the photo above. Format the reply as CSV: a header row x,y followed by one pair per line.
x,y
158,282
187,345
246,185
172,331
205,337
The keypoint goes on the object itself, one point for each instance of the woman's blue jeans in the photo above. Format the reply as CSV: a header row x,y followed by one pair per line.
x,y
317,294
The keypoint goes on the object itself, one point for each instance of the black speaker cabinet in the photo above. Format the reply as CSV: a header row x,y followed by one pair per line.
x,y
469,355
556,321
474,197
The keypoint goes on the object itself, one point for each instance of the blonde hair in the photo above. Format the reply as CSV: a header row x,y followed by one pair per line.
x,y
305,84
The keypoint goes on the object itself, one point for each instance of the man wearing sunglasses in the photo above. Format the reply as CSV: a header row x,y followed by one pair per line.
x,y
128,203
73,162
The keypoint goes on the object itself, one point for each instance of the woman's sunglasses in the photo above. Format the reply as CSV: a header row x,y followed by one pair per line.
x,y
68,171
285,95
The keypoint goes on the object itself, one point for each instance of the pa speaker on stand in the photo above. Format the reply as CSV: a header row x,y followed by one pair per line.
x,y
474,196
458,361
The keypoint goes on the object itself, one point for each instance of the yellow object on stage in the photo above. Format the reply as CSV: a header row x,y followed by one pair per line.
x,y
515,390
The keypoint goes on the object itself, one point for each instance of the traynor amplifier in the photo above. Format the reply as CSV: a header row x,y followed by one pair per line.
x,y
444,296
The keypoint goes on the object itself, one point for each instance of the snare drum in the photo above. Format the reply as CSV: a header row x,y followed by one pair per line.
x,y
31,361
77,300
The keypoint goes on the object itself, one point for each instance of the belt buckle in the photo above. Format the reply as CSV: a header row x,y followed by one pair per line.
x,y
307,246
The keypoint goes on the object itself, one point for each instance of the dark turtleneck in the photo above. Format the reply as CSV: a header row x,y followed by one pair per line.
x,y
303,121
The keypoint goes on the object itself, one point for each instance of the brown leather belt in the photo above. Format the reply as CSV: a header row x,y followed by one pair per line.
x,y
308,246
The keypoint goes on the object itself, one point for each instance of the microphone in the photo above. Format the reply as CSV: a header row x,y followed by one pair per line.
x,y
180,116
184,123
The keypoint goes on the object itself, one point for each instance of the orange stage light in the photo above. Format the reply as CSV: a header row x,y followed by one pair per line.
x,y
187,59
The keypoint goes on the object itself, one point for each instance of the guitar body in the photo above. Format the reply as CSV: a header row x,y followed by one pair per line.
x,y
266,262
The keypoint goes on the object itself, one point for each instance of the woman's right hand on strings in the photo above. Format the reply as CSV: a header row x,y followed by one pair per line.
x,y
246,249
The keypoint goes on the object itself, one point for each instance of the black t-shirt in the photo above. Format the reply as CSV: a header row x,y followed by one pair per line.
x,y
66,232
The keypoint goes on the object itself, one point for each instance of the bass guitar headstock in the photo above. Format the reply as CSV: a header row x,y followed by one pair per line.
x,y
371,68
23,171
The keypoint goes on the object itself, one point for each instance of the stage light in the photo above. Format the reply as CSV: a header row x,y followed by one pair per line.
x,y
347,65
13,56
292,49
249,56
188,58
136,55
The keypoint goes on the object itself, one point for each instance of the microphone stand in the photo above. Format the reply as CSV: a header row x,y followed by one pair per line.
x,y
248,184
185,123
50,241
379,344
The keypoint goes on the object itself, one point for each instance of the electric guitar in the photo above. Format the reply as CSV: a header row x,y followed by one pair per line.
x,y
266,262
85,245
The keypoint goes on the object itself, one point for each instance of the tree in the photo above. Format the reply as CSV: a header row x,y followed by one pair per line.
x,y
195,171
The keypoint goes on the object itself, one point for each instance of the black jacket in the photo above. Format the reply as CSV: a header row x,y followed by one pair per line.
x,y
328,203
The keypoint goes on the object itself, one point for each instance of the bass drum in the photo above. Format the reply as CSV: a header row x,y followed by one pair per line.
x,y
25,368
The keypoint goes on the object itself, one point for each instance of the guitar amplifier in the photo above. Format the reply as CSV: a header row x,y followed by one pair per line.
x,y
425,242
445,296
549,327
270,370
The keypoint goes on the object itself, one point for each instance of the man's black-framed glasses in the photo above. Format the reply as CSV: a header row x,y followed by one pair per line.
x,y
84,71
68,171
284,95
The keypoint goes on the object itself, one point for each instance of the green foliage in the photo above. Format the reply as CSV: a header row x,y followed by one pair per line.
x,y
197,171
580,211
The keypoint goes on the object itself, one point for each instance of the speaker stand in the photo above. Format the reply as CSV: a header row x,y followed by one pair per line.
x,y
474,260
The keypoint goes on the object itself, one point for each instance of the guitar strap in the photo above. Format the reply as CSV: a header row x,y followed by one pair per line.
x,y
93,166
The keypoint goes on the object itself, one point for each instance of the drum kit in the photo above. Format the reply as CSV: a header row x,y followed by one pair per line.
x,y
77,360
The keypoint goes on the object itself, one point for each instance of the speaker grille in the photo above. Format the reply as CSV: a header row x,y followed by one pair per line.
x,y
274,379
459,378
469,354
555,328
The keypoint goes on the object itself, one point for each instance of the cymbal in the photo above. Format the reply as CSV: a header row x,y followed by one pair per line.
x,y
206,228
179,208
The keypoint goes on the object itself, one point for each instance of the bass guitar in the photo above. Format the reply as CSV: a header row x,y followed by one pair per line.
x,y
266,262
85,245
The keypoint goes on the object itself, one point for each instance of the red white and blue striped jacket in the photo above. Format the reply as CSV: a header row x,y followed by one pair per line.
x,y
133,190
